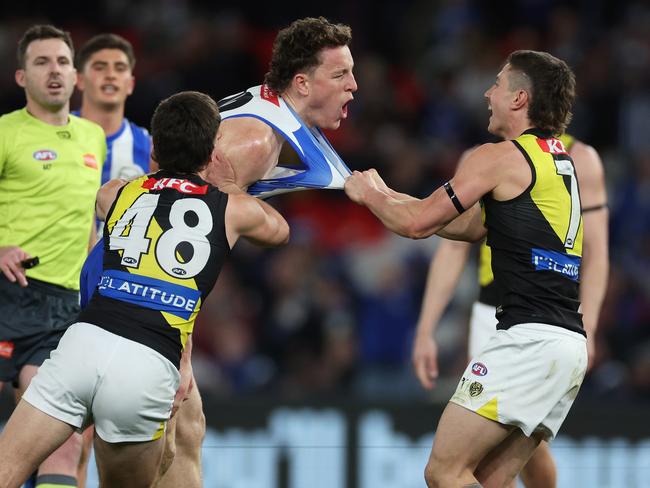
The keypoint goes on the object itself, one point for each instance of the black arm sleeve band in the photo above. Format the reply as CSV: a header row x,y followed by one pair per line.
x,y
594,208
453,198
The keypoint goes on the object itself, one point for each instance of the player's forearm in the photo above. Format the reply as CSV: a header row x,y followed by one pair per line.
x,y
594,271
400,213
282,232
468,226
444,273
92,239
593,285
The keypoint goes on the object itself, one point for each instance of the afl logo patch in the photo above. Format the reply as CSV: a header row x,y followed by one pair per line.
x,y
479,369
475,389
44,155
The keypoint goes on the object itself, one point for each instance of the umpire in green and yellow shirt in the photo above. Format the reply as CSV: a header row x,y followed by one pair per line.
x,y
50,170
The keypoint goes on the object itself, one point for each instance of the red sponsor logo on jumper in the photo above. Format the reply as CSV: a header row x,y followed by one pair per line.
x,y
267,94
90,161
553,146
44,155
479,369
6,349
183,186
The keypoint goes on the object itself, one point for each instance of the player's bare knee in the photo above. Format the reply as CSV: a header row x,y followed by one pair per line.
x,y
435,473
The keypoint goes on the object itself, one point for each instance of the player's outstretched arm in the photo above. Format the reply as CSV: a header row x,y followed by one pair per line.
x,y
444,273
486,168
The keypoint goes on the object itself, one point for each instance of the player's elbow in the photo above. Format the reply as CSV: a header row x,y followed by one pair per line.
x,y
475,234
278,232
415,229
283,233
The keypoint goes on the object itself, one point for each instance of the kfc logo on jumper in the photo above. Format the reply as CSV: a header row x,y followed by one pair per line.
x,y
44,155
479,369
553,146
183,186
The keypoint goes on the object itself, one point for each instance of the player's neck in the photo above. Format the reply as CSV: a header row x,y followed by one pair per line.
x,y
295,102
516,128
57,117
109,120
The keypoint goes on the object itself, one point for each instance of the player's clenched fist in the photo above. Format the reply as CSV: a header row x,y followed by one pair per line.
x,y
358,185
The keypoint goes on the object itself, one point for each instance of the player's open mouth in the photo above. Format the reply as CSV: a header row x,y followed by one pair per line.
x,y
344,110
55,85
109,89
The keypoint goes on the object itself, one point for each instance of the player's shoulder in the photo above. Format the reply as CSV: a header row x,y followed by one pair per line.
x,y
248,125
493,152
586,158
249,133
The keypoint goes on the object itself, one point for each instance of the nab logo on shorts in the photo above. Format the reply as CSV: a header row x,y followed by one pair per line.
x,y
44,155
479,369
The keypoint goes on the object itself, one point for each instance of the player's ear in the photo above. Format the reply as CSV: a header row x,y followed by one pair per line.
x,y
131,86
300,83
20,77
520,99
81,82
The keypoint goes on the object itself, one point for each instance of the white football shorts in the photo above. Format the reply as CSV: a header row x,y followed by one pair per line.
x,y
124,387
527,376
482,326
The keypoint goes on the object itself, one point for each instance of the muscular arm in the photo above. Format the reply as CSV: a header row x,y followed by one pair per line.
x,y
251,146
444,273
595,258
255,220
245,216
497,168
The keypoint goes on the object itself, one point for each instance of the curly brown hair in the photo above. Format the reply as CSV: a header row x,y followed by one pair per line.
x,y
552,85
297,48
